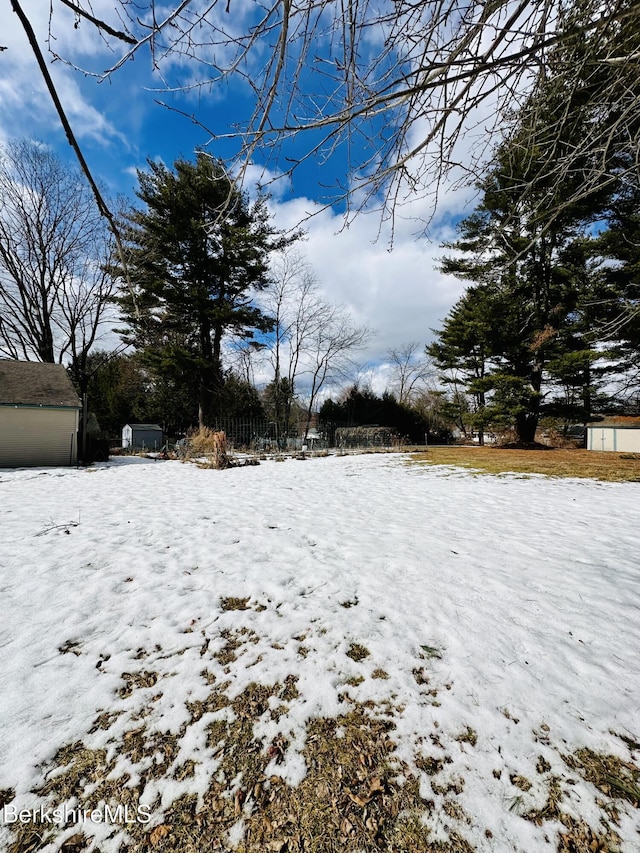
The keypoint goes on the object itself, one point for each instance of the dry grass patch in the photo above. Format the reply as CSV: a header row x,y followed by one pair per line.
x,y
104,721
358,793
380,673
79,767
520,782
208,444
454,785
136,680
78,779
357,796
234,640
614,777
431,765
7,795
467,736
357,652
215,701
30,837
233,603
581,838
576,836
612,467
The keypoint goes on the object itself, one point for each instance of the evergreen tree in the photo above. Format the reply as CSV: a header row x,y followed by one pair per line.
x,y
122,390
619,245
529,308
530,337
197,253
462,350
239,398
364,408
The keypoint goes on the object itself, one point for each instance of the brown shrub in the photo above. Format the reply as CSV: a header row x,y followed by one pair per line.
x,y
210,444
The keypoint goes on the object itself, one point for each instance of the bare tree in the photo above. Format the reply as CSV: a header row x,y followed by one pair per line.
x,y
313,340
410,370
417,91
54,291
243,355
298,311
330,350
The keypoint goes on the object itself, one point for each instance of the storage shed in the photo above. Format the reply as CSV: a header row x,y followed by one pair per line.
x,y
619,433
39,412
142,437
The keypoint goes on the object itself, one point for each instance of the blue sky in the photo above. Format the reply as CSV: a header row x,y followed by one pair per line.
x,y
118,123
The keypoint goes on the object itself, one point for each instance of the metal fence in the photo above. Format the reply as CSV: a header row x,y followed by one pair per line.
x,y
257,434
261,435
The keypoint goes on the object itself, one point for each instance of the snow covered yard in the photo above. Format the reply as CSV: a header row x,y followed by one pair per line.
x,y
343,654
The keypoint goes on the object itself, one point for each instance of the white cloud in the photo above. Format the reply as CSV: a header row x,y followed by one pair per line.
x,y
399,292
26,107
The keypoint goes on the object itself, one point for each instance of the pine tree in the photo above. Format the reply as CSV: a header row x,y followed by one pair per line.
x,y
197,253
619,245
526,307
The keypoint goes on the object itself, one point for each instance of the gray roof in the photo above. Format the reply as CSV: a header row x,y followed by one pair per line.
x,y
30,383
156,427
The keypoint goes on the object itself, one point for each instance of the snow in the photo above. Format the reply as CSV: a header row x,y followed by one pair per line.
x,y
517,598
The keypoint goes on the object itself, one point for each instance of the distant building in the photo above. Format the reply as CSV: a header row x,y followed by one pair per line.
x,y
39,413
142,437
619,433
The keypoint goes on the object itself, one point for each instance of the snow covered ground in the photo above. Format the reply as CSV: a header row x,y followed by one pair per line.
x,y
494,620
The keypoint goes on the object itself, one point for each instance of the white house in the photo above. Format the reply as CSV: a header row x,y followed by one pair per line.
x,y
39,411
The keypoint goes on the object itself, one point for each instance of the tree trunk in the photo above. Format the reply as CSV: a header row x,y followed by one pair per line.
x,y
527,421
526,425
210,379
586,391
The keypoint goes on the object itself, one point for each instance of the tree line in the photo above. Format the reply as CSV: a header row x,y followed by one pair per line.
x,y
549,324
550,316
210,288
213,294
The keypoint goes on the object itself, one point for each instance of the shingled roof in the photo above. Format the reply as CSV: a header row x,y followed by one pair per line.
x,y
30,383
620,421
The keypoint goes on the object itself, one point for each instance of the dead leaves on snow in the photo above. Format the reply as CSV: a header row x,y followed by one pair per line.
x,y
357,795
614,777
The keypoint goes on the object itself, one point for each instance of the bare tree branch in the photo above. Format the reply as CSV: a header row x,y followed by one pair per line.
x,y
101,25
413,93
102,206
410,370
314,340
54,292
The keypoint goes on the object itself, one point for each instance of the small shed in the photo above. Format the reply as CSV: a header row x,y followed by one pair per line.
x,y
39,413
313,440
619,433
142,437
